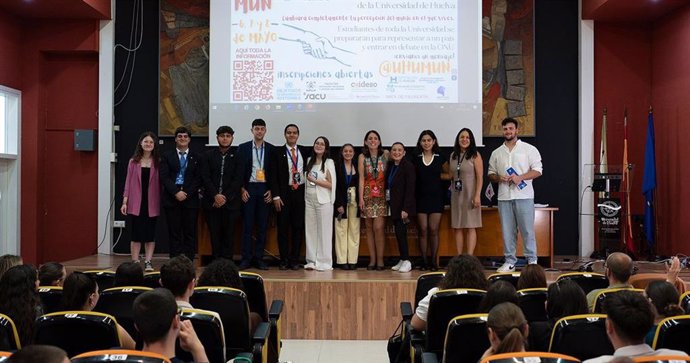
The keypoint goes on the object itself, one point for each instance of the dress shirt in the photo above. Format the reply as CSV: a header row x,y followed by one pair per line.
x,y
523,158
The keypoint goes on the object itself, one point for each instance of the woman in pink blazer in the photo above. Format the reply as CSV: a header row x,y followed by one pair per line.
x,y
141,198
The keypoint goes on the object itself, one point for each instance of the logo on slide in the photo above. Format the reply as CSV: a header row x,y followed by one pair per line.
x,y
314,96
441,91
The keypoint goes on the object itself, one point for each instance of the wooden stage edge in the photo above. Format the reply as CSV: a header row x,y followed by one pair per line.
x,y
339,305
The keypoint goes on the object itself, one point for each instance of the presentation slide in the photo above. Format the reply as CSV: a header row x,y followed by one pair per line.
x,y
341,67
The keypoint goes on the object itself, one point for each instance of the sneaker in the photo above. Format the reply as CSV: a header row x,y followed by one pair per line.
x,y
310,266
406,266
397,267
148,267
532,262
506,268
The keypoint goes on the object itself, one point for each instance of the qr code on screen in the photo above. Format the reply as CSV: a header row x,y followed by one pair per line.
x,y
252,80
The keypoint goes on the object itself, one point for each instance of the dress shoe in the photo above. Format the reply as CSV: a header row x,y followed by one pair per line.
x,y
433,267
371,267
353,266
380,268
261,265
295,267
283,267
244,265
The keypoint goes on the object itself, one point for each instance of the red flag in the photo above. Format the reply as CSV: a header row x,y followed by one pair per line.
x,y
627,235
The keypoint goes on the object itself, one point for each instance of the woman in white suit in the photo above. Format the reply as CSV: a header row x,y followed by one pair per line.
x,y
319,197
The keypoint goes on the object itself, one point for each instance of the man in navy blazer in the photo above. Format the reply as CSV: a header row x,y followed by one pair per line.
x,y
256,155
181,179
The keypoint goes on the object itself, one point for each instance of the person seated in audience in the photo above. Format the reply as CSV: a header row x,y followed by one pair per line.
x,y
629,317
39,353
51,274
617,268
80,293
507,329
498,292
7,261
224,272
20,301
157,318
531,277
664,298
178,276
564,298
464,271
129,273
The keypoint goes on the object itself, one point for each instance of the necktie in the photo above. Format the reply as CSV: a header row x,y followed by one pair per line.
x,y
183,165
295,171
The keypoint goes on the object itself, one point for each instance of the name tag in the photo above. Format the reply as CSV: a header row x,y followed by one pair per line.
x,y
260,175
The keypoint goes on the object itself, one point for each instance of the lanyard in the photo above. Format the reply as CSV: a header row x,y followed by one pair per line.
x,y
260,159
374,167
288,151
222,170
461,156
391,176
348,176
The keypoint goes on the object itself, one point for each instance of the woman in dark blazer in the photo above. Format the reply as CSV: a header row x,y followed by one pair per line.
x,y
345,209
400,192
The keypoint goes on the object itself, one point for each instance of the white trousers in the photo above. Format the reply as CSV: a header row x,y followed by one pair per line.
x,y
318,225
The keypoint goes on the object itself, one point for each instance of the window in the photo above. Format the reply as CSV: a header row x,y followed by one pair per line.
x,y
10,160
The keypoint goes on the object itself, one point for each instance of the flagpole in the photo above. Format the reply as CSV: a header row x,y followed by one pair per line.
x,y
627,235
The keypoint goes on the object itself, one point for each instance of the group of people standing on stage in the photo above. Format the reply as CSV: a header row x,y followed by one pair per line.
x,y
311,193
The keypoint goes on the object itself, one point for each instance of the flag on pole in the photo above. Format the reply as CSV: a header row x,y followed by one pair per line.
x,y
627,236
649,180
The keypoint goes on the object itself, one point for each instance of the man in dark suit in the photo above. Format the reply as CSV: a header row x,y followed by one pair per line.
x,y
256,155
288,197
222,175
180,179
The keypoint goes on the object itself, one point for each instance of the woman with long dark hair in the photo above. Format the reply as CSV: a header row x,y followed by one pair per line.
x,y
466,184
346,211
664,298
319,196
372,196
19,299
564,298
400,186
141,197
51,274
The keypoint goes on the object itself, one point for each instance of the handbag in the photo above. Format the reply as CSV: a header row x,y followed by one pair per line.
x,y
395,345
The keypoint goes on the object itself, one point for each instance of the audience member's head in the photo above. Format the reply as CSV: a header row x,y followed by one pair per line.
x,y
499,292
7,261
618,267
565,298
79,292
507,328
221,272
664,298
464,271
129,273
177,275
155,315
531,277
19,299
39,353
51,274
629,317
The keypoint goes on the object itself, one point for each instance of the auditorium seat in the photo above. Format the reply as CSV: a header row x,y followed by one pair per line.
x,y
661,359
104,278
209,329
673,333
599,305
253,286
532,302
588,281
51,298
444,305
117,301
426,282
4,356
581,336
466,338
685,302
641,280
121,356
529,357
232,307
152,279
9,337
77,332
511,277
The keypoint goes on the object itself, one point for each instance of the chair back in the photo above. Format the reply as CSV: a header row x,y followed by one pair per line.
x,y
77,332
511,277
9,337
532,302
253,286
4,356
233,309
581,336
443,307
600,299
152,279
209,329
117,301
51,298
120,356
522,357
588,281
673,333
466,338
685,302
104,278
426,282
661,359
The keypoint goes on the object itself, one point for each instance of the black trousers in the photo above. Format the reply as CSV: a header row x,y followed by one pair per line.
x,y
401,236
291,226
221,227
182,230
